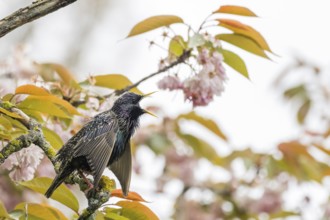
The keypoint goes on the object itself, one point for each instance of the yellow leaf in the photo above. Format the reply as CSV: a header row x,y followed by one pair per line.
x,y
235,62
56,100
5,123
154,22
3,211
131,195
62,194
44,106
177,46
40,211
31,90
244,43
53,138
207,123
243,29
236,10
135,210
11,114
114,81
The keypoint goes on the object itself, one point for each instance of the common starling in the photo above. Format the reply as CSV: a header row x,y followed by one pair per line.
x,y
102,142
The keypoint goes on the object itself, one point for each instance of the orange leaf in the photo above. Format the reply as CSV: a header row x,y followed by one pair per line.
x,y
236,10
31,90
246,30
136,210
131,195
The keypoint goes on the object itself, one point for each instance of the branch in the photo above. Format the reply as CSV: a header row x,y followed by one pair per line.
x,y
181,59
30,13
34,136
96,198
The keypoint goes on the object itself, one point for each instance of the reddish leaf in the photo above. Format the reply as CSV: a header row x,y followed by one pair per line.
x,y
240,28
131,195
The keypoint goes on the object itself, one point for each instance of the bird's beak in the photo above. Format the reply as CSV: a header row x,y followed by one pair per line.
x,y
148,94
150,113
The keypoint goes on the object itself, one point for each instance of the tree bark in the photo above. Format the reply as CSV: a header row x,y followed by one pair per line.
x,y
30,13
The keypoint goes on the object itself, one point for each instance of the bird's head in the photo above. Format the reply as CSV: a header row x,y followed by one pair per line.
x,y
128,105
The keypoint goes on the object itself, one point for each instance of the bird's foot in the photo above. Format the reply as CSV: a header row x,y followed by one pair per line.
x,y
89,184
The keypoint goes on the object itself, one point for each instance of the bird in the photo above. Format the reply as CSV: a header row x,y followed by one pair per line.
x,y
103,142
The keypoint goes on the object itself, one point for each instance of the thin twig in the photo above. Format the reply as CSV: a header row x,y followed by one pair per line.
x,y
30,13
181,59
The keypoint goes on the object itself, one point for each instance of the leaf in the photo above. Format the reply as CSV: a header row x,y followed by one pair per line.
x,y
114,215
63,73
131,195
296,91
113,81
303,111
154,22
53,138
32,90
243,29
135,210
62,194
235,62
40,211
5,123
201,148
207,123
177,46
196,40
11,114
3,211
43,105
236,10
244,43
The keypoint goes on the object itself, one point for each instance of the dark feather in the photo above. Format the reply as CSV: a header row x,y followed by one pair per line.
x,y
122,168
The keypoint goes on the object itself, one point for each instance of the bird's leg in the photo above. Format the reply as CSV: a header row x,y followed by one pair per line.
x,y
89,184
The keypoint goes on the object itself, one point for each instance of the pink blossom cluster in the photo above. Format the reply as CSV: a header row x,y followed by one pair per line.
x,y
201,87
23,164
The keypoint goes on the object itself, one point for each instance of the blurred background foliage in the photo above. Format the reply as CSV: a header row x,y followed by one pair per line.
x,y
201,181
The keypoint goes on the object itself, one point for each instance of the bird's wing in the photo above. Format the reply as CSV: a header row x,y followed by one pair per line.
x,y
97,146
122,168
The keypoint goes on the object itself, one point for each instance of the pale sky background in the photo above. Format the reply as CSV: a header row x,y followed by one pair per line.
x,y
250,112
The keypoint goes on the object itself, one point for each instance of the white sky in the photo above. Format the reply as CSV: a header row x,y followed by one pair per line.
x,y
250,112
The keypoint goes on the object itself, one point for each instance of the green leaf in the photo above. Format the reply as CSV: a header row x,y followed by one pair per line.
x,y
207,123
235,10
154,22
113,81
177,46
235,62
47,70
62,194
39,211
244,43
53,138
303,111
196,40
135,210
201,148
296,91
31,90
246,30
3,211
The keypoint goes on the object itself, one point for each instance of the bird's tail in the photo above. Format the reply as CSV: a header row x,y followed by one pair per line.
x,y
57,181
